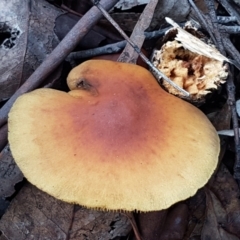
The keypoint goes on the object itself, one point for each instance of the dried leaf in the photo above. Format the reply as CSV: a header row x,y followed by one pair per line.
x,y
226,190
124,5
177,10
94,225
14,17
94,38
10,174
221,120
197,206
176,222
3,237
3,206
34,214
3,136
28,27
215,220
150,224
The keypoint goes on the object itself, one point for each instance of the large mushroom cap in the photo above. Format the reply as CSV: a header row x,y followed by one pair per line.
x,y
115,141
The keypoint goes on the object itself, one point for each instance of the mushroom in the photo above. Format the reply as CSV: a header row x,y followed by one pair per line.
x,y
116,140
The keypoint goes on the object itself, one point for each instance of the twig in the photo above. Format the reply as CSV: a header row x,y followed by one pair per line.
x,y
231,50
134,225
230,10
226,19
213,29
107,49
111,48
98,28
58,55
229,29
230,84
232,104
213,21
137,36
156,34
155,71
202,20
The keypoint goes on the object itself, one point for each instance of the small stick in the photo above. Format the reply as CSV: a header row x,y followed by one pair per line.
x,y
111,48
137,36
202,20
134,225
231,50
156,72
232,104
230,84
229,29
230,9
213,22
226,19
107,49
69,42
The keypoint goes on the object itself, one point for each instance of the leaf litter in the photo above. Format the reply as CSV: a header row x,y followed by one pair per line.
x,y
214,212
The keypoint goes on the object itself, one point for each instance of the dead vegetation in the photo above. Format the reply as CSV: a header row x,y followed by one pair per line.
x,y
42,41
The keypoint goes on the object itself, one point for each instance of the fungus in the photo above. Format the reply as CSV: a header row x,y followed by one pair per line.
x,y
116,140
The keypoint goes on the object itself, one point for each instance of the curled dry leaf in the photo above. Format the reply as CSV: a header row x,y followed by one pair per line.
x,y
10,174
28,37
34,214
215,219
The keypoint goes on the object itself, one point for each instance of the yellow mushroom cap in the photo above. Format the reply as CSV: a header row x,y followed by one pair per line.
x,y
115,141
